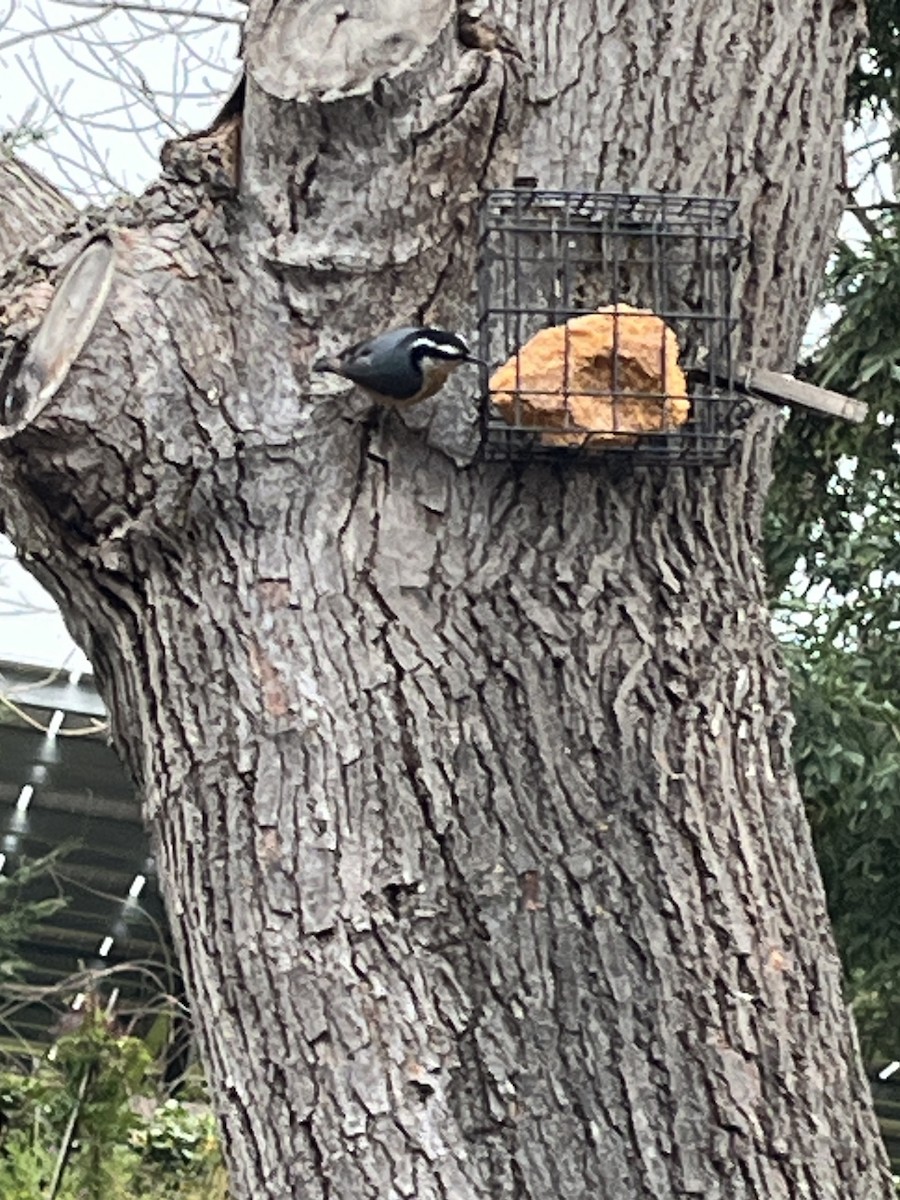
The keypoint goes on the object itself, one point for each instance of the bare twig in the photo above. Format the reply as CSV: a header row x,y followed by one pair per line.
x,y
159,10
58,30
107,41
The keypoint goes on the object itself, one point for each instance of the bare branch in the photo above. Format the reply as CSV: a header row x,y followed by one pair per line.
x,y
147,98
56,31
158,10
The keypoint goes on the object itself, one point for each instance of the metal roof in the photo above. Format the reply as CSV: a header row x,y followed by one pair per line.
x,y
62,785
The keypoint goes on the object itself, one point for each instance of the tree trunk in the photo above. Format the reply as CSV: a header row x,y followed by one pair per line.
x,y
471,784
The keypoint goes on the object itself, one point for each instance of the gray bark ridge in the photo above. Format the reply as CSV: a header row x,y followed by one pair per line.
x,y
32,209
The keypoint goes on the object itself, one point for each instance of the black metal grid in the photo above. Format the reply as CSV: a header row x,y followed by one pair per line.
x,y
548,256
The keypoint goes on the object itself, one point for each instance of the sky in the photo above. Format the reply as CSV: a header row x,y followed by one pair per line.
x,y
31,628
102,89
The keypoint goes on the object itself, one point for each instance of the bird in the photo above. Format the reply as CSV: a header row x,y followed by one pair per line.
x,y
482,31
400,367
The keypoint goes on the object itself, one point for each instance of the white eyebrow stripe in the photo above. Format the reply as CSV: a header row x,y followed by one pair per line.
x,y
446,351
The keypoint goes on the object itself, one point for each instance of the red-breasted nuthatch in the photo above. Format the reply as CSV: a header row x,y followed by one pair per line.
x,y
402,366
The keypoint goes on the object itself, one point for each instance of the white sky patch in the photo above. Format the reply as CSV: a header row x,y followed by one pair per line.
x,y
105,88
31,627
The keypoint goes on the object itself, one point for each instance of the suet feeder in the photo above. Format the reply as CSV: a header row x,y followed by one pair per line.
x,y
608,323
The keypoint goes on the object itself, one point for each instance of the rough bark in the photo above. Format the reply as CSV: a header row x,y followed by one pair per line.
x,y
32,208
471,787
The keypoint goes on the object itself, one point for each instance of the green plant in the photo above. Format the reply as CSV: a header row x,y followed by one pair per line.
x,y
86,1122
179,1144
19,914
833,548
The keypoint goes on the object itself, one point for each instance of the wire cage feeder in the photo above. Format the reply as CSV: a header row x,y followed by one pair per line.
x,y
612,316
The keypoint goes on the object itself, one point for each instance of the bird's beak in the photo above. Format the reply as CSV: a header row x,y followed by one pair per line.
x,y
327,364
471,358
